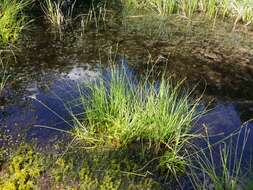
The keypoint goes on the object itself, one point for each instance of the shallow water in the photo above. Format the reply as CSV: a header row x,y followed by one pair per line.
x,y
49,67
44,84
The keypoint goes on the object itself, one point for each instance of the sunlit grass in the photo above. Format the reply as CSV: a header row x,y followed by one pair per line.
x,y
119,112
236,10
12,19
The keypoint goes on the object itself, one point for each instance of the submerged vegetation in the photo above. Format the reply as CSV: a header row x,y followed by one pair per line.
x,y
24,168
94,168
28,169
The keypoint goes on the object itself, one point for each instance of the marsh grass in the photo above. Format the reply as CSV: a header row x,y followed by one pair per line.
x,y
237,10
242,11
120,112
96,16
220,166
3,75
188,8
12,19
54,13
144,127
163,8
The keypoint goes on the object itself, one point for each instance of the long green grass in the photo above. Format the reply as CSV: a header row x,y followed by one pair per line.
x,y
237,10
12,19
120,112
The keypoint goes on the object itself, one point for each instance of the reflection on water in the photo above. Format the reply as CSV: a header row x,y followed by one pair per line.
x,y
80,74
45,105
42,112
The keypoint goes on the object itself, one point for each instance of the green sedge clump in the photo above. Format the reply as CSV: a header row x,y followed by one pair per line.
x,y
119,112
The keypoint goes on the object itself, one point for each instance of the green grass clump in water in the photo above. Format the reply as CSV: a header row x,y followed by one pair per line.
x,y
119,113
12,19
54,14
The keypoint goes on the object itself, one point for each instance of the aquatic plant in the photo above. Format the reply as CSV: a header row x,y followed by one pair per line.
x,y
238,10
3,76
93,170
96,16
249,185
119,112
56,12
24,168
211,7
188,8
220,165
12,19
163,8
53,12
242,11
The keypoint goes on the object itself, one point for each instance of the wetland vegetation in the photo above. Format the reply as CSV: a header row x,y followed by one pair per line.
x,y
126,94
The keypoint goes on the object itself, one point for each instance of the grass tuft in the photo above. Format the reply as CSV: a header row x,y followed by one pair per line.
x,y
96,16
120,112
55,14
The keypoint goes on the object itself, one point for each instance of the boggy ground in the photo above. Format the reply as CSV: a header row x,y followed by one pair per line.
x,y
223,61
30,167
